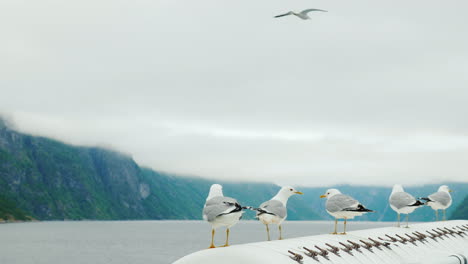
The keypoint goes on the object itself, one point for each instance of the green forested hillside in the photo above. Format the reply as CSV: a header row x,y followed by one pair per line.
x,y
50,180
185,196
9,211
461,211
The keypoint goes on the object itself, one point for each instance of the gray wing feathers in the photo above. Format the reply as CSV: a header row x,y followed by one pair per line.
x,y
441,197
339,202
401,199
285,14
304,12
216,206
275,207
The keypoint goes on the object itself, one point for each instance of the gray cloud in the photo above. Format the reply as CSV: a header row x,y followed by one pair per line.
x,y
370,92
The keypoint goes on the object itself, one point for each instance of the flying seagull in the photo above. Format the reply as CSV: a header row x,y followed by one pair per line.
x,y
274,211
439,200
403,202
342,206
221,211
302,15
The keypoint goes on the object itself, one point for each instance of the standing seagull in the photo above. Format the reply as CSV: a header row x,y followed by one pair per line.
x,y
342,206
403,202
439,200
221,211
302,15
274,211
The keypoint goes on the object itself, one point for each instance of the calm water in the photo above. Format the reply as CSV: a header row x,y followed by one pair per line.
x,y
133,242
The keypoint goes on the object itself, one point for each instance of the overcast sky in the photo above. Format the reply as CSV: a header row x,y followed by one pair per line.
x,y
372,92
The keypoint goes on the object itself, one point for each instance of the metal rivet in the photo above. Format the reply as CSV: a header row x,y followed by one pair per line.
x,y
391,238
333,249
323,252
419,234
366,245
354,245
346,248
449,231
439,234
295,256
411,239
402,239
377,244
431,235
311,253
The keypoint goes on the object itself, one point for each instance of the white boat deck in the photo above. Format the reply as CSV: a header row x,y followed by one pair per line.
x,y
435,242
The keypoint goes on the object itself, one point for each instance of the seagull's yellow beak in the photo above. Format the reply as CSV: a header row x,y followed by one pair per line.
x,y
323,196
298,192
450,190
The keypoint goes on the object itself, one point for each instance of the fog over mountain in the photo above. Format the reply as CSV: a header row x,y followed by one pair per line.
x,y
45,179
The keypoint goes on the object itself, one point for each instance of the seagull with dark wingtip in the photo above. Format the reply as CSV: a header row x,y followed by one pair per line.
x,y
303,14
440,200
342,206
403,203
221,211
274,211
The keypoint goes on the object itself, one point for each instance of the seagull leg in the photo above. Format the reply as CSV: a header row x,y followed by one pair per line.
x,y
268,232
344,228
407,216
437,215
227,238
281,233
345,220
445,218
398,225
212,238
336,223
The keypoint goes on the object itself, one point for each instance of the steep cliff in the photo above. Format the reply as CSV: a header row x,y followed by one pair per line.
x,y
9,211
461,212
52,180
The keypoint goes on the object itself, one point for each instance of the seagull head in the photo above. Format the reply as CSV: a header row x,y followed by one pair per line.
x,y
329,193
444,188
397,188
215,190
284,194
288,191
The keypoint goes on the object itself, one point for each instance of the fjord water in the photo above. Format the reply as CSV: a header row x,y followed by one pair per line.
x,y
134,242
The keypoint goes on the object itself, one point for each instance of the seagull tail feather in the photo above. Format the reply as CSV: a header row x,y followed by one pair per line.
x,y
417,203
259,211
359,208
427,200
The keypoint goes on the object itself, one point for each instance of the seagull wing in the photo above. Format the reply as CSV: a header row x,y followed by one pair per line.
x,y
304,12
341,202
219,206
402,199
286,14
273,207
441,197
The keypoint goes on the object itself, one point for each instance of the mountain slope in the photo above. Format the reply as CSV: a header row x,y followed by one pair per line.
x,y
461,211
9,211
186,196
56,181
50,180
